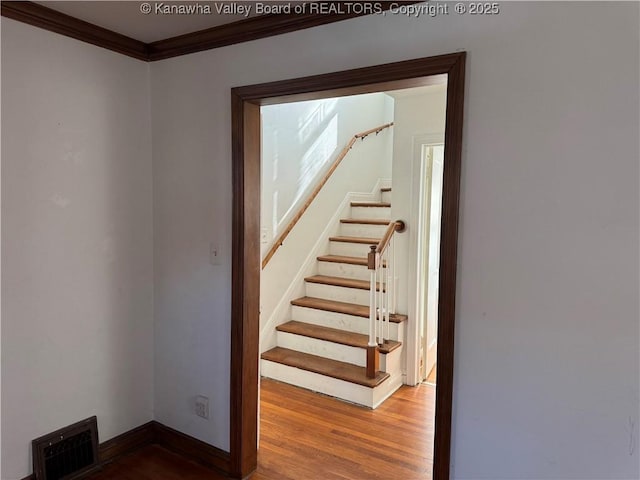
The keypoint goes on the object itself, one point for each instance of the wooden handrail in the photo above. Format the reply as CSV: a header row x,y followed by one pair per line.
x,y
373,130
397,226
285,233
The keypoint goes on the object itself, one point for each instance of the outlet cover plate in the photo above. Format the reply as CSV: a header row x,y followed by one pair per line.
x,y
202,406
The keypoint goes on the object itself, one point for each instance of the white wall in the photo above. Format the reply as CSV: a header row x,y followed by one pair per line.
x,y
77,274
300,140
288,152
192,208
358,177
415,116
546,374
419,116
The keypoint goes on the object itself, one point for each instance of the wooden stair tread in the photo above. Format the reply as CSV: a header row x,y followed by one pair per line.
x,y
366,221
341,307
324,366
364,240
342,282
370,204
334,335
344,259
385,189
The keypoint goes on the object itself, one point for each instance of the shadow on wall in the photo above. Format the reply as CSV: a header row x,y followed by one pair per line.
x,y
299,141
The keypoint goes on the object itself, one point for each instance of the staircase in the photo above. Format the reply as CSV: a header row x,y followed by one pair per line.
x,y
323,347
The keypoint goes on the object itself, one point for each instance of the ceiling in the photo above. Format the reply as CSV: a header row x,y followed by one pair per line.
x,y
152,30
126,18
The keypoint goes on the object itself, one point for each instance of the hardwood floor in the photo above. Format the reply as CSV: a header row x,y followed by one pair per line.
x,y
155,463
308,436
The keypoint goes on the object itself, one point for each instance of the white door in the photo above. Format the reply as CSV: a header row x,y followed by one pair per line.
x,y
433,264
428,169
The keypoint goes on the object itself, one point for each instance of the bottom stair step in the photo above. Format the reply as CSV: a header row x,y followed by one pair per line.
x,y
324,366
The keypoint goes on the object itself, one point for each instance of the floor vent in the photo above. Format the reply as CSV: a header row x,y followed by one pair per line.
x,y
67,453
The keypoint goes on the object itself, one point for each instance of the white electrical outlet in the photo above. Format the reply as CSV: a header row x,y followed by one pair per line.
x,y
264,235
214,254
202,406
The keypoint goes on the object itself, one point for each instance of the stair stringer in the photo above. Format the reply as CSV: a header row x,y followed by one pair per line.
x,y
282,311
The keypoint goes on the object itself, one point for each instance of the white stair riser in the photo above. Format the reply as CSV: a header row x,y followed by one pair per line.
x,y
386,197
342,321
362,230
328,385
390,362
340,294
345,270
323,348
371,212
349,249
385,390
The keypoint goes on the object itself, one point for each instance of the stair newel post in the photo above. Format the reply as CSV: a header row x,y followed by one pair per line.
x,y
391,276
380,309
384,300
373,357
400,227
388,288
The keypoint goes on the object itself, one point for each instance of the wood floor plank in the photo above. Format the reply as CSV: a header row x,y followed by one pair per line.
x,y
155,463
339,440
308,436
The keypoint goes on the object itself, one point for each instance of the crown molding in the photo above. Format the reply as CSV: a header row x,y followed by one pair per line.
x,y
253,28
54,21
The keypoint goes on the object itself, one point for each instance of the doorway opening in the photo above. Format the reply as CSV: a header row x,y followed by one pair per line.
x,y
428,260
315,278
246,262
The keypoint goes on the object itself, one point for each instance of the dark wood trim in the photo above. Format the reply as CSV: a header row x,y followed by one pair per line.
x,y
156,433
448,267
245,290
253,28
407,74
191,448
246,221
373,361
124,444
127,442
54,21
